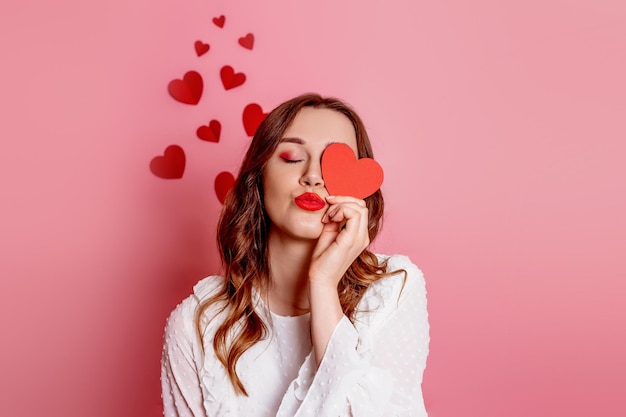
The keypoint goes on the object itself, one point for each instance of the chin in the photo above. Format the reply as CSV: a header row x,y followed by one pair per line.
x,y
299,230
309,233
307,230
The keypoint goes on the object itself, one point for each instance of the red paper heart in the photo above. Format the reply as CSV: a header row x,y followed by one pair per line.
x,y
247,41
201,48
219,21
171,165
345,175
230,78
252,117
223,183
211,132
188,90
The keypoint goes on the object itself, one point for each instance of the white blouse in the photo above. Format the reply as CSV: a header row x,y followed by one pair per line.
x,y
372,366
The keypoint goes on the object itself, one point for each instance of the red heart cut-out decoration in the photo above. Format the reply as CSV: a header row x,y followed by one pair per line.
x,y
252,117
210,133
247,41
219,21
171,165
223,184
345,175
201,48
188,90
230,78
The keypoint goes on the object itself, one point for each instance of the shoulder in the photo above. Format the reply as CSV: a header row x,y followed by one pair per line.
x,y
207,287
182,320
382,298
406,276
399,262
185,350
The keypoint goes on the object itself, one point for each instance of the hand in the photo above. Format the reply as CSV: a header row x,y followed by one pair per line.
x,y
344,236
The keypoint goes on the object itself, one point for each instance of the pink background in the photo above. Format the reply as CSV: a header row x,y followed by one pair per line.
x,y
501,126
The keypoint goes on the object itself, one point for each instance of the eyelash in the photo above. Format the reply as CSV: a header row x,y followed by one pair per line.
x,y
289,160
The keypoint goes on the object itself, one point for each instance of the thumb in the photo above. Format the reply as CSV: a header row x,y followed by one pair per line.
x,y
328,236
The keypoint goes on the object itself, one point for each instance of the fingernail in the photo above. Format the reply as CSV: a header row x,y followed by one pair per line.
x,y
330,197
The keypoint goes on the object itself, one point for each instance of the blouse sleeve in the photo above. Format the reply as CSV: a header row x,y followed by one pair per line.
x,y
181,389
373,368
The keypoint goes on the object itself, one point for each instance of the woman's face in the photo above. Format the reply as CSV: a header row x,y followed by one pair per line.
x,y
294,192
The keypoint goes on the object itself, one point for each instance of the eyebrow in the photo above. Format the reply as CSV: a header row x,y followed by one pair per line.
x,y
293,140
301,141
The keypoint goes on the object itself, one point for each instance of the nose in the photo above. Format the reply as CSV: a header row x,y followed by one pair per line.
x,y
312,176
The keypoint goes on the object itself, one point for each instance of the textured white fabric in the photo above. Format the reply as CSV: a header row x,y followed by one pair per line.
x,y
372,366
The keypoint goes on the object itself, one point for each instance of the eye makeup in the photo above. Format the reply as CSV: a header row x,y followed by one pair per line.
x,y
289,157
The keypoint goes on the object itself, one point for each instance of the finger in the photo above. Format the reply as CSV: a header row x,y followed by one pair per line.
x,y
336,199
345,211
351,220
356,204
327,237
331,211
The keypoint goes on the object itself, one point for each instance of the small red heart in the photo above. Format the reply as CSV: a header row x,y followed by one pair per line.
x,y
345,175
211,132
201,48
252,117
188,90
230,78
171,165
223,183
219,21
247,41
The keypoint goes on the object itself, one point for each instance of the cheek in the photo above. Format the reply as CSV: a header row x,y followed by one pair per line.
x,y
280,177
274,189
269,184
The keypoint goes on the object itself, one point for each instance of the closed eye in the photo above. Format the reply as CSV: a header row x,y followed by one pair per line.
x,y
288,158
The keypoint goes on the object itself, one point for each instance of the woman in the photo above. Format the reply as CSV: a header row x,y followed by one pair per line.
x,y
305,320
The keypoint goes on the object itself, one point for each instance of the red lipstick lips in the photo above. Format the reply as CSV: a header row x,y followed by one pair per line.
x,y
310,202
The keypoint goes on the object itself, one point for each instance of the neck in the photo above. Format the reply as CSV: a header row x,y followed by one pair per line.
x,y
289,261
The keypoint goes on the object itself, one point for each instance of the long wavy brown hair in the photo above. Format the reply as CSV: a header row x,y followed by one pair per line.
x,y
242,236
